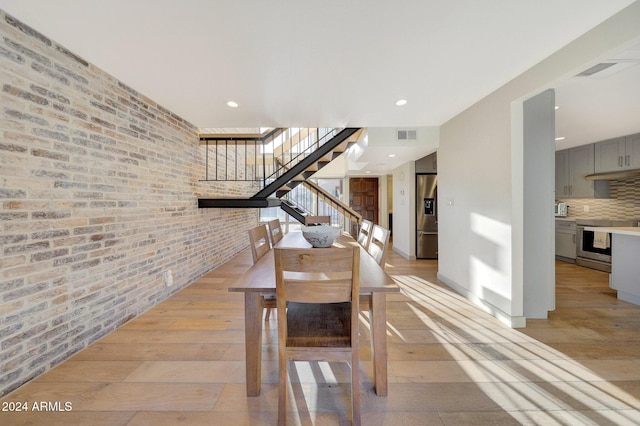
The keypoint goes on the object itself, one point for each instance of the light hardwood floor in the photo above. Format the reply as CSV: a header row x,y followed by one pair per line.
x,y
450,363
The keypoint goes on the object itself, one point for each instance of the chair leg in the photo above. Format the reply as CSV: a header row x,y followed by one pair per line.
x,y
283,378
355,390
267,314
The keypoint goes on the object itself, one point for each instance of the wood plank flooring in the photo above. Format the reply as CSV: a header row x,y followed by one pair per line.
x,y
450,363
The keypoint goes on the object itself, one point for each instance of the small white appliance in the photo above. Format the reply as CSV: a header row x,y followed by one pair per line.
x,y
562,209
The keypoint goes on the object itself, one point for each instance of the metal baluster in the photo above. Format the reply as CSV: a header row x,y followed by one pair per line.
x,y
206,161
264,166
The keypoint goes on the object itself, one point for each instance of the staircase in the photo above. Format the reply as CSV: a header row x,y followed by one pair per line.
x,y
280,161
311,199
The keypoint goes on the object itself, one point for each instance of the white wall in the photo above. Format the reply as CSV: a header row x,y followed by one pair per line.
x,y
383,210
425,143
474,186
404,207
481,222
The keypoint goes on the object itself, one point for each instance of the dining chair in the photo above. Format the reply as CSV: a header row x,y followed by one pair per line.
x,y
365,233
321,321
378,241
377,248
275,230
259,243
309,220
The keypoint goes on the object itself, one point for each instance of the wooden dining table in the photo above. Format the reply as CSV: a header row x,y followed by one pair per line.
x,y
260,280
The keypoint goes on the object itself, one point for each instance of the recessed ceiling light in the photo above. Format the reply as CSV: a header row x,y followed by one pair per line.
x,y
401,102
391,155
368,171
557,107
560,138
232,104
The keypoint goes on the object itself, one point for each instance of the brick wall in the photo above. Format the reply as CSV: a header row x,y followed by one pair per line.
x,y
98,188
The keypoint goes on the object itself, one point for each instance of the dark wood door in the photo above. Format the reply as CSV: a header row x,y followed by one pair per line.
x,y
363,198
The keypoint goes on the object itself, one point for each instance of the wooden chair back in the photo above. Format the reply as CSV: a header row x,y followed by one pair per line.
x,y
365,233
378,242
259,242
275,230
321,320
316,275
309,220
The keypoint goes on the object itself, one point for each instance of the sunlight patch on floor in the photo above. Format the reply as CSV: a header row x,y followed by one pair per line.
x,y
545,380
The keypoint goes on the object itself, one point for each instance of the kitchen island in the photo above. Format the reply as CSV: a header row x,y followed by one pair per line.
x,y
625,261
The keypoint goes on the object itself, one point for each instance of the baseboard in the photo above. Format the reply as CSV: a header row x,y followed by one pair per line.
x,y
628,297
565,259
403,254
511,321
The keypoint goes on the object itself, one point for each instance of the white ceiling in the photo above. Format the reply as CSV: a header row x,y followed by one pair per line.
x,y
602,106
323,63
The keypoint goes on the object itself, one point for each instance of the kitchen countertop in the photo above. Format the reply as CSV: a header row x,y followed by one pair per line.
x,y
582,218
615,230
609,222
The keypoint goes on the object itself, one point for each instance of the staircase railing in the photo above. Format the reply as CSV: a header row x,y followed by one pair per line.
x,y
237,157
326,201
261,158
315,200
300,144
281,160
307,163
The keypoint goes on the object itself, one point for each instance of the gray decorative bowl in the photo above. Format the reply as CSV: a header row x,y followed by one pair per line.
x,y
321,236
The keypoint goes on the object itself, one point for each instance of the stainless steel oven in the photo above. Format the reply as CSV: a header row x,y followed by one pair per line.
x,y
595,257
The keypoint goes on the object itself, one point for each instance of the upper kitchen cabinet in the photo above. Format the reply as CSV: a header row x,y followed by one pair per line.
x,y
562,173
618,154
572,165
428,164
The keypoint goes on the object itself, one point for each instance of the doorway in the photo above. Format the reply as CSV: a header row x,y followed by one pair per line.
x,y
363,198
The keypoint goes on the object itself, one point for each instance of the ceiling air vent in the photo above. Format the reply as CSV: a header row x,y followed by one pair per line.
x,y
406,135
596,69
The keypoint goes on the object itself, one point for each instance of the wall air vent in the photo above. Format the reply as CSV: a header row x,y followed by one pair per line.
x,y
596,69
406,135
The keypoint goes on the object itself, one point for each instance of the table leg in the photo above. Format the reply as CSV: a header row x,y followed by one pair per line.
x,y
253,341
378,315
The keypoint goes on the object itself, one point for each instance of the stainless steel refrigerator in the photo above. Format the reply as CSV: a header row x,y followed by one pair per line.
x,y
426,216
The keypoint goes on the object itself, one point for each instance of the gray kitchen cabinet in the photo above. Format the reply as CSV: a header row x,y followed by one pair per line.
x,y
566,239
609,154
428,164
633,151
572,165
618,154
562,173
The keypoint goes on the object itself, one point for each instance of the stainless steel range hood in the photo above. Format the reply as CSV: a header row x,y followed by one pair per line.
x,y
621,175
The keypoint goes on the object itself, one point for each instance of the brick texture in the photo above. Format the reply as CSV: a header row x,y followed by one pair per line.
x,y
98,198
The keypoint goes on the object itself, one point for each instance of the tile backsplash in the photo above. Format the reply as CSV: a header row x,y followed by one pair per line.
x,y
624,202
